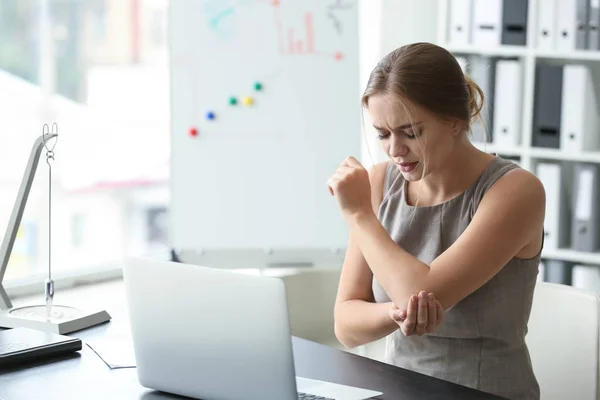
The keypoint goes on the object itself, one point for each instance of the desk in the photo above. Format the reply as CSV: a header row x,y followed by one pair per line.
x,y
84,376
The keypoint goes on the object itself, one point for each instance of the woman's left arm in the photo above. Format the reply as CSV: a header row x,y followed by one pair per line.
x,y
507,219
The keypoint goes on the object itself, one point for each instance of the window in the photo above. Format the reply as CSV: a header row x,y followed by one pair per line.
x,y
99,69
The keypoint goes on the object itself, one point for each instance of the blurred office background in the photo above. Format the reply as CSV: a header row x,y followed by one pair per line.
x,y
101,67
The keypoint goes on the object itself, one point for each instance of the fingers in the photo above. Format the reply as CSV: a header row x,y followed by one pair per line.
x,y
431,313
422,314
410,323
398,315
338,175
353,162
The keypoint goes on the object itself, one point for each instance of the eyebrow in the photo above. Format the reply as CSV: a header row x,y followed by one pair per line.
x,y
399,128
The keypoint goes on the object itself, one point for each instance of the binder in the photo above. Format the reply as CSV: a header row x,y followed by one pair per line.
x,y
460,22
546,27
514,22
582,24
507,103
594,25
586,277
547,107
567,27
586,216
482,71
558,271
487,22
557,223
579,121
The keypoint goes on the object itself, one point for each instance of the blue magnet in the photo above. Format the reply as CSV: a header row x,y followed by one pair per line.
x,y
210,115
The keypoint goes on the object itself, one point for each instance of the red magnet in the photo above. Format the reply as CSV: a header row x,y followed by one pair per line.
x,y
193,132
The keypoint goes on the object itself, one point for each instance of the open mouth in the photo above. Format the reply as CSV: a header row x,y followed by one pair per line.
x,y
407,167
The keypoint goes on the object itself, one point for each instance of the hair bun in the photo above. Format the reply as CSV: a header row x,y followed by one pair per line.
x,y
476,97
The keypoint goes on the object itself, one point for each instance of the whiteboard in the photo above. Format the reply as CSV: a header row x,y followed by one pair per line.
x,y
254,175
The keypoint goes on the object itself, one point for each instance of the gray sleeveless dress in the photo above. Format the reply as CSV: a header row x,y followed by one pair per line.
x,y
481,343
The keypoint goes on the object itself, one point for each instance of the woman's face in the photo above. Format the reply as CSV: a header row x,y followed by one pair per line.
x,y
418,143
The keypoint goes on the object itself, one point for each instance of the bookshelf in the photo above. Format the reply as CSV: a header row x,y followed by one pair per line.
x,y
530,56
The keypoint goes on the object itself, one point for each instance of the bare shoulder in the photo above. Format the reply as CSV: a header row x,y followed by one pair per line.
x,y
518,186
377,171
518,199
377,178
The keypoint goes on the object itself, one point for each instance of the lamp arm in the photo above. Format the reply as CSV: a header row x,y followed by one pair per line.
x,y
17,213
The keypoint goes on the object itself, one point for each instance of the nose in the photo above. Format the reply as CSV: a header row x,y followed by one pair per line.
x,y
397,147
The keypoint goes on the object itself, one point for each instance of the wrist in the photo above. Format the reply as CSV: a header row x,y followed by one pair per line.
x,y
361,218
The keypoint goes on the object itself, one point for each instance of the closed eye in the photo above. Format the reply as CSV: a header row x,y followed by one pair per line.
x,y
383,135
406,130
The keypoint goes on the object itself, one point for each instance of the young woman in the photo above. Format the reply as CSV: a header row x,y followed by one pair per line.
x,y
461,228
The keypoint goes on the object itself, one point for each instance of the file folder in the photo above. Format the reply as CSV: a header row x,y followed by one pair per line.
x,y
546,28
558,271
508,99
482,71
557,225
586,196
547,106
586,277
460,22
582,24
487,22
571,32
514,22
579,121
594,25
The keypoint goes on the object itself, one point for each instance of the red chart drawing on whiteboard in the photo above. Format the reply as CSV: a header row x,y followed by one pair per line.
x,y
291,43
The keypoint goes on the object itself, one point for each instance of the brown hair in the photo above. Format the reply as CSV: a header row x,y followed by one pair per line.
x,y
429,76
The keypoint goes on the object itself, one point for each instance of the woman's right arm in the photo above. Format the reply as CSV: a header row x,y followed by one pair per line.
x,y
358,319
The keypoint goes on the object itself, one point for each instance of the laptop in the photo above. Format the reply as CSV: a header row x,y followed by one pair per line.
x,y
215,334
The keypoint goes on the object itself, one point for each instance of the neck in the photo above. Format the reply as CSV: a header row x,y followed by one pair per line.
x,y
459,172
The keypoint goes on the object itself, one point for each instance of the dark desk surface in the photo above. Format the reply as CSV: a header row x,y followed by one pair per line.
x,y
84,376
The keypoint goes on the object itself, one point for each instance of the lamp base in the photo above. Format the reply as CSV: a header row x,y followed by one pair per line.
x,y
63,319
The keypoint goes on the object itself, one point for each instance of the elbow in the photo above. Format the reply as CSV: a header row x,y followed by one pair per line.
x,y
344,337
340,329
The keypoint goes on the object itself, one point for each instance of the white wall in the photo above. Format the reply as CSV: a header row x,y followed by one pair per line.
x,y
384,26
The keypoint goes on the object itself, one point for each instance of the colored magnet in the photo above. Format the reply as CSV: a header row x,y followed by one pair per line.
x,y
258,86
210,115
248,101
193,132
232,101
339,55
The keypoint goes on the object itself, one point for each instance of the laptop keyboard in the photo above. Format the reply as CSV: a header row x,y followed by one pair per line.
x,y
306,396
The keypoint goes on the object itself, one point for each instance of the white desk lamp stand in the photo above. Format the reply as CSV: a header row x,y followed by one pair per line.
x,y
55,319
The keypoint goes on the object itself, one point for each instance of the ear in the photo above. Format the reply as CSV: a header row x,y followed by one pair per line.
x,y
457,127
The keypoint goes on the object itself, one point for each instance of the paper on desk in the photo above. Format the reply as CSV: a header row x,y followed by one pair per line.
x,y
115,352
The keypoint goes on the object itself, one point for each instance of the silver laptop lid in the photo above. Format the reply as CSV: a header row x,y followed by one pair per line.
x,y
209,333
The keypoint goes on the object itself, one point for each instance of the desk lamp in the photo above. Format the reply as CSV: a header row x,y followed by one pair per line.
x,y
55,319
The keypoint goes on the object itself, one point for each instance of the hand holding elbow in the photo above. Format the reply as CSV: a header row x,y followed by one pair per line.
x,y
423,314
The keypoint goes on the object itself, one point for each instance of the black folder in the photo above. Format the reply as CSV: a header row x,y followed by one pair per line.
x,y
548,106
20,346
514,22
